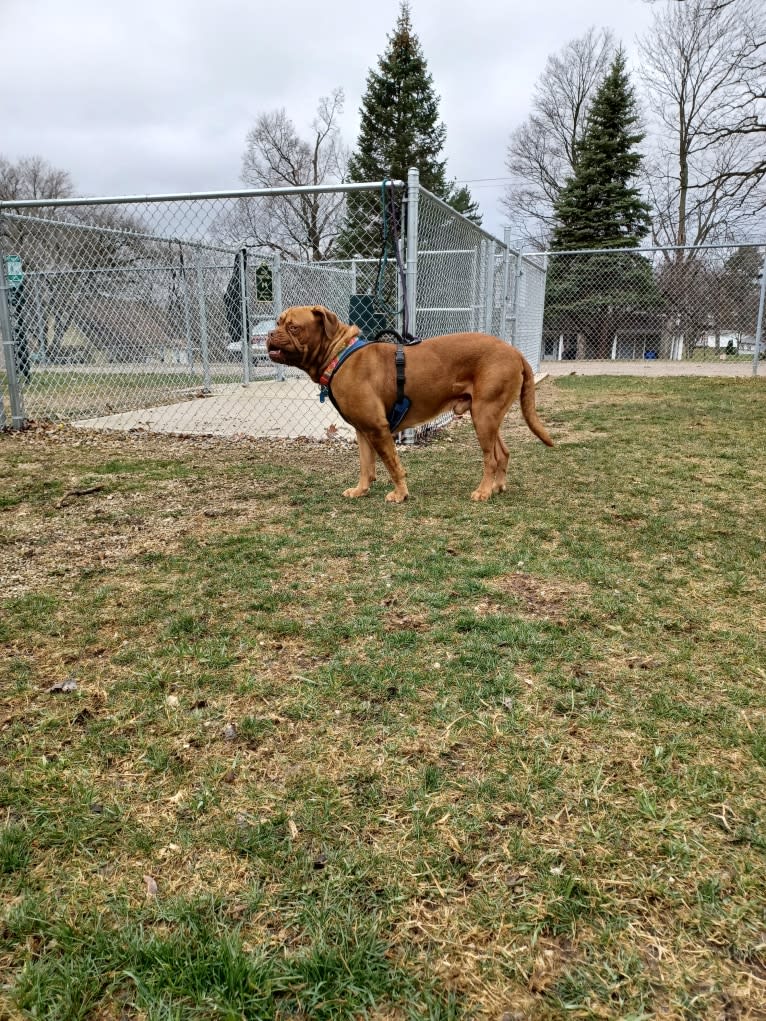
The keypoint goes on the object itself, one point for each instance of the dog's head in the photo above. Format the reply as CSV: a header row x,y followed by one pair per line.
x,y
308,336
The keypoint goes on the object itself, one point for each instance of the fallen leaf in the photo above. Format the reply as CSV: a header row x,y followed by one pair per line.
x,y
230,732
151,886
63,687
293,829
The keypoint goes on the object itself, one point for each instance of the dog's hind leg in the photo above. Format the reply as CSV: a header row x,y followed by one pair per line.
x,y
487,425
501,472
366,467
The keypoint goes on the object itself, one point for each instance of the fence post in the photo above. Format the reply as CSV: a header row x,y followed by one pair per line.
x,y
411,298
517,274
505,326
489,290
42,326
276,296
242,256
759,324
481,289
399,289
15,393
204,350
187,320
475,290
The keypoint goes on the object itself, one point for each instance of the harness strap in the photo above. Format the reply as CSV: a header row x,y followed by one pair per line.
x,y
399,373
402,403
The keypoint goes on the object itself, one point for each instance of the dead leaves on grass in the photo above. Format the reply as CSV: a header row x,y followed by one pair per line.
x,y
63,687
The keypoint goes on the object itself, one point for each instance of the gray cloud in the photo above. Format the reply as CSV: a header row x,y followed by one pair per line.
x,y
158,95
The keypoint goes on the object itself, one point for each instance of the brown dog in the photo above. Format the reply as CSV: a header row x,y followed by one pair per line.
x,y
457,372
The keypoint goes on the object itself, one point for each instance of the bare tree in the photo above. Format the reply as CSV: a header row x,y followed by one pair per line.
x,y
64,252
32,177
542,153
296,226
744,120
704,74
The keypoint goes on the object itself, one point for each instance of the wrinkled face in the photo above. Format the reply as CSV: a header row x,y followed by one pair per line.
x,y
301,335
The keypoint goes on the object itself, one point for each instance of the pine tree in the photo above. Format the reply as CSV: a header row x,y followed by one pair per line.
x,y
596,297
460,199
400,126
600,205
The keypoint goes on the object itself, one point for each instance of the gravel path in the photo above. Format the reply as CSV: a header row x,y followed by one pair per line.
x,y
651,367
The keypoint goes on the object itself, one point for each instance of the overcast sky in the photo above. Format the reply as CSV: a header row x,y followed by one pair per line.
x,y
143,96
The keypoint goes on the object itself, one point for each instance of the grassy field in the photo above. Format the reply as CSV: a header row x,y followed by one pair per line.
x,y
265,753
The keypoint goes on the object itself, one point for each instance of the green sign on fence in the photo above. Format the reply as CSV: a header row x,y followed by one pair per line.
x,y
13,270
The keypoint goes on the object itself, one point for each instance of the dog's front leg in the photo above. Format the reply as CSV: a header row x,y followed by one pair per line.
x,y
383,443
366,467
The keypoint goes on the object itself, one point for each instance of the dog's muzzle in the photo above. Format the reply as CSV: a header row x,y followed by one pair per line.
x,y
275,353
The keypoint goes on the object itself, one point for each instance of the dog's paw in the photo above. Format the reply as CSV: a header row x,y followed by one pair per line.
x,y
394,497
499,487
355,492
480,496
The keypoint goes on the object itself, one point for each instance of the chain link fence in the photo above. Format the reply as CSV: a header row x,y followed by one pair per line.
x,y
152,313
469,280
671,304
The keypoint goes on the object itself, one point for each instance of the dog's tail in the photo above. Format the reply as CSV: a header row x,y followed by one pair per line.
x,y
527,402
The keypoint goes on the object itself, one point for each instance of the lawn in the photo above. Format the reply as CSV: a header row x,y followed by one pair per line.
x,y
266,753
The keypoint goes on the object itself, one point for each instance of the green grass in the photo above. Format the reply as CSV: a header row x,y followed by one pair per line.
x,y
435,761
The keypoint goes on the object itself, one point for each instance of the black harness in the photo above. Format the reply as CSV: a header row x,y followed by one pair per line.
x,y
402,403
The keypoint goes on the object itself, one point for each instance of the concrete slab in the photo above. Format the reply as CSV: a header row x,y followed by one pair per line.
x,y
267,410
287,410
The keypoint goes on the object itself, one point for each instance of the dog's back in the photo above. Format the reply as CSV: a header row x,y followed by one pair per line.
x,y
462,370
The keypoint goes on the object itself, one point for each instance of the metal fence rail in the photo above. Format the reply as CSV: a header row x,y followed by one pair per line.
x,y
701,303
151,312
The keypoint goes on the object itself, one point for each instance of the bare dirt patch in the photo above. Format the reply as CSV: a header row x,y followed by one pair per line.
x,y
545,599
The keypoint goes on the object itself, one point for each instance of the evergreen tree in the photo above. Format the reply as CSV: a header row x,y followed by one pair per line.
x,y
600,205
460,199
400,126
591,299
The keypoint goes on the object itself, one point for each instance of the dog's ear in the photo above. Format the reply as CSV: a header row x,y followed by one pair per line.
x,y
329,320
